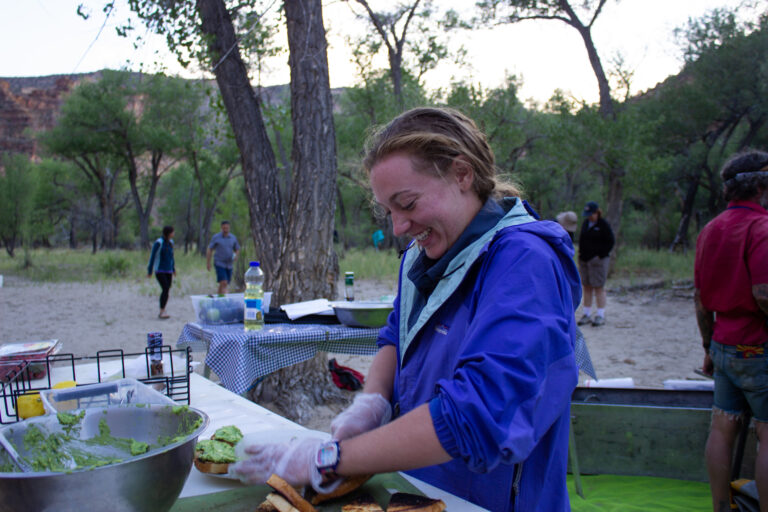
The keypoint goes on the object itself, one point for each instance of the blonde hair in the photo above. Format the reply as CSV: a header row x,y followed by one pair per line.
x,y
433,138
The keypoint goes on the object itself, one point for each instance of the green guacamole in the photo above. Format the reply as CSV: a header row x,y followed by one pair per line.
x,y
230,434
211,450
65,451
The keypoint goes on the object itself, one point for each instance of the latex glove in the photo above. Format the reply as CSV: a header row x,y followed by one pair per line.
x,y
367,412
294,462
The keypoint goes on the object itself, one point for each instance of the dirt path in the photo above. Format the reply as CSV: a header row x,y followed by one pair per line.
x,y
650,334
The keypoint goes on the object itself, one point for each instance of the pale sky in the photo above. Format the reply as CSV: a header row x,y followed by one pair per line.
x,y
45,37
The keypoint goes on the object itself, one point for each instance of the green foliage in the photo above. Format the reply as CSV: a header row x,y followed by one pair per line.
x,y
114,265
381,265
17,191
639,264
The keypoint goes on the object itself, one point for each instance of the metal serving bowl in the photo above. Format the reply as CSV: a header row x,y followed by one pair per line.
x,y
148,482
362,313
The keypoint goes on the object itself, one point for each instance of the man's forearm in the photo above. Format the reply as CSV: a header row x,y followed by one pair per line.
x,y
705,319
208,256
760,293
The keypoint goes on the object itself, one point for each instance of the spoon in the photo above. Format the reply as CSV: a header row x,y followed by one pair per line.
x,y
14,455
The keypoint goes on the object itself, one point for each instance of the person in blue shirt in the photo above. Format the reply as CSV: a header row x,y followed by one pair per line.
x,y
470,390
161,262
224,248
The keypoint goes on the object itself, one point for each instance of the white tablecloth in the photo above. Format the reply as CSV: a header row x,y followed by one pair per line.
x,y
226,408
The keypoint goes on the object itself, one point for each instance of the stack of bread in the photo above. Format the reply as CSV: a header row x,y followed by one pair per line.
x,y
285,498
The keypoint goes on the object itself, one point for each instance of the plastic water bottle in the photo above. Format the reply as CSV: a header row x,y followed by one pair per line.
x,y
254,294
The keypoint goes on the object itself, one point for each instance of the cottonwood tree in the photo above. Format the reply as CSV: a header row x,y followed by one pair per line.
x,y
17,189
720,106
404,28
581,16
293,239
82,138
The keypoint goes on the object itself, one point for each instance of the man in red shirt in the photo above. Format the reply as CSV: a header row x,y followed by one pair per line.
x,y
731,279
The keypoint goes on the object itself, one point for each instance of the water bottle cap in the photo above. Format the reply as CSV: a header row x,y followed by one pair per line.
x,y
254,263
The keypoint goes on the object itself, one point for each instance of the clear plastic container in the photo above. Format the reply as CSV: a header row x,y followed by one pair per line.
x,y
116,392
215,310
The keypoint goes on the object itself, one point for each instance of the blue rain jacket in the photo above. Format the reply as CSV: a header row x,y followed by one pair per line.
x,y
161,257
492,352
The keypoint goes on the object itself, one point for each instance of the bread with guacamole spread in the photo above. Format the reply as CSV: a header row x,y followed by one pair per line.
x,y
214,455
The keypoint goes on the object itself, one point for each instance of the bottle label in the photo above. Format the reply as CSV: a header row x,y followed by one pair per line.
x,y
253,309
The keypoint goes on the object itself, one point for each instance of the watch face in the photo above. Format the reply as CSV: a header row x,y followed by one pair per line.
x,y
328,456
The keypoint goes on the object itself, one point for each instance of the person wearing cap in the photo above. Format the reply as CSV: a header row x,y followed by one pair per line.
x,y
569,221
731,297
595,244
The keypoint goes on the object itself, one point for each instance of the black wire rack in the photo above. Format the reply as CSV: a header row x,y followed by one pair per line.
x,y
20,378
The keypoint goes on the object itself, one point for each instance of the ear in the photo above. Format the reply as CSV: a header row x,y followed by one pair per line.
x,y
463,173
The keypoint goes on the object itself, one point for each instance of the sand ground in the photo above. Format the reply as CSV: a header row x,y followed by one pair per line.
x,y
650,334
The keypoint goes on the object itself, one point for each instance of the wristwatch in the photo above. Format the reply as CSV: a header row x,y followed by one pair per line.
x,y
327,458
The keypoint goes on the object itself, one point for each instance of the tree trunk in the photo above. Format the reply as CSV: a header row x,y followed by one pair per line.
x,y
257,158
295,245
681,237
308,265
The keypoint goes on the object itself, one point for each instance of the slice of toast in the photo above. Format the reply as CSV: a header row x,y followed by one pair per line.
x,y
364,503
404,502
347,486
266,506
279,502
290,494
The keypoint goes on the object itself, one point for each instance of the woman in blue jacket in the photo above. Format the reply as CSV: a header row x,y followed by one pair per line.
x,y
162,263
470,390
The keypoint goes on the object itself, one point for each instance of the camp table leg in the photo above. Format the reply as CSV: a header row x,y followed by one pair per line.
x,y
574,459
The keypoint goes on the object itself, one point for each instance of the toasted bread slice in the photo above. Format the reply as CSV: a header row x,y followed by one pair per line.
x,y
280,503
290,494
212,456
364,503
266,506
404,502
347,486
214,468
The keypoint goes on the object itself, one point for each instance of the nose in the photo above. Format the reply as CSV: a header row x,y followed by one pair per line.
x,y
400,224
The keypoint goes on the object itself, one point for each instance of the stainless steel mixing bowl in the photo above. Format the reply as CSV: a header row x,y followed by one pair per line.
x,y
148,482
362,313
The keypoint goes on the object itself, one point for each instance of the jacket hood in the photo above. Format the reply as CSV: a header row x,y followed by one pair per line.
x,y
560,241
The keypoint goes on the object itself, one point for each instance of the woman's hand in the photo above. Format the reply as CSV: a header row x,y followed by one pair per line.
x,y
294,462
367,412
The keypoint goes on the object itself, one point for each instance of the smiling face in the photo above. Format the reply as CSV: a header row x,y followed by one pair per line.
x,y
431,209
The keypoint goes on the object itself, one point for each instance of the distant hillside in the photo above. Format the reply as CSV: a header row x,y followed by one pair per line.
x,y
32,104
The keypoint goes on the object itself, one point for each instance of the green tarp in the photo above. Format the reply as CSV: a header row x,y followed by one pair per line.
x,y
611,493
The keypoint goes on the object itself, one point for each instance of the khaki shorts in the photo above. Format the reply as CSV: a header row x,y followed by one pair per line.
x,y
595,271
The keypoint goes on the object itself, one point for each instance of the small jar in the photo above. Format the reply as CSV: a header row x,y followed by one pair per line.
x,y
155,345
349,285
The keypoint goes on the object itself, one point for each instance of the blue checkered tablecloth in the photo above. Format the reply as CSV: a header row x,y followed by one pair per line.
x,y
583,359
239,358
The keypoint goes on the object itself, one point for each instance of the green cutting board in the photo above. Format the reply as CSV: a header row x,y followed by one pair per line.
x,y
248,498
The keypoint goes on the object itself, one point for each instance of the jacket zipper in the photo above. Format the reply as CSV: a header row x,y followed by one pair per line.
x,y
518,475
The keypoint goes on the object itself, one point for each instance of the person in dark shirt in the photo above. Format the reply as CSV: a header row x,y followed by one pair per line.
x,y
595,244
162,263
